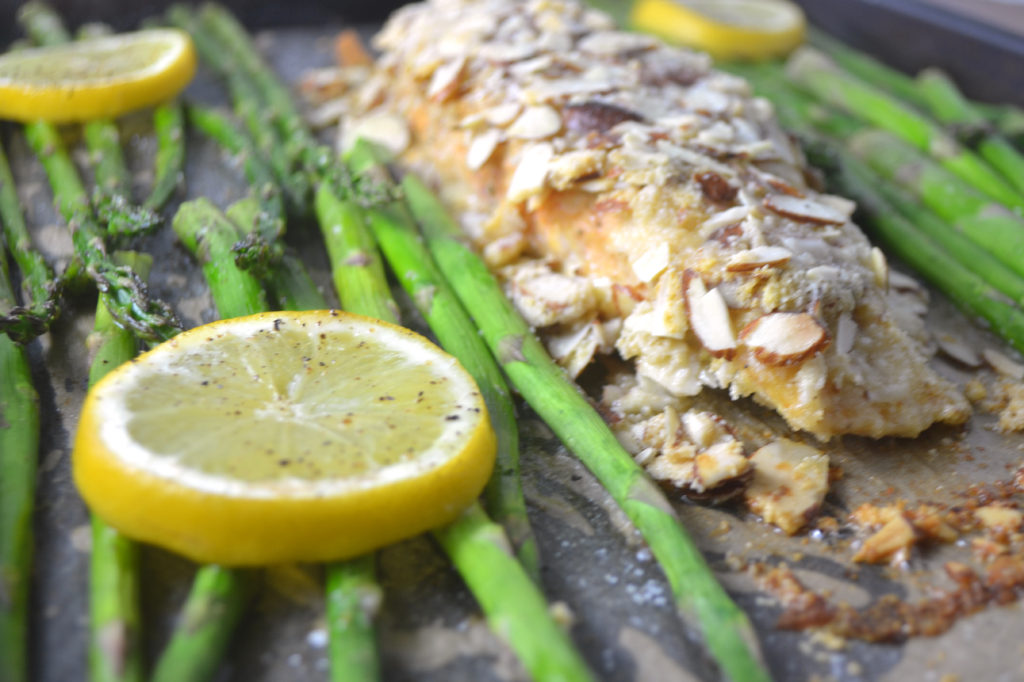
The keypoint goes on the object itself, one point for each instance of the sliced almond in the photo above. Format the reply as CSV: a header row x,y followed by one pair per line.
x,y
1002,364
536,123
846,333
709,316
502,114
444,83
880,268
611,43
804,209
505,53
789,484
482,148
531,174
892,541
719,464
958,350
784,338
757,257
652,262
386,129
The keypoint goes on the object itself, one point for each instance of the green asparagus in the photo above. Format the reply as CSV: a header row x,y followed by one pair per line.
x,y
169,126
128,297
19,449
952,109
813,70
698,595
988,224
112,195
40,289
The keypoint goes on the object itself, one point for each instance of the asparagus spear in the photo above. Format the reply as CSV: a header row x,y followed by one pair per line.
x,y
984,222
115,653
543,384
212,609
962,284
169,125
268,222
112,197
218,594
798,112
951,108
813,70
395,231
40,289
128,298
479,548
352,592
867,68
19,448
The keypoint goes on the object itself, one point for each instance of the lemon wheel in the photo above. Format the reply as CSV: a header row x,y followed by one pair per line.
x,y
97,78
284,437
727,29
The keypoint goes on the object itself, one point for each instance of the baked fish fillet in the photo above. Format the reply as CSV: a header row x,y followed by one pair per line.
x,y
634,200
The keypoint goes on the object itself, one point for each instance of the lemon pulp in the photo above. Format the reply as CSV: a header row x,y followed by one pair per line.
x,y
283,437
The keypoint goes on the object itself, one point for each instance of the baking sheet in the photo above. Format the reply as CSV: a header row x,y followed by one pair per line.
x,y
594,562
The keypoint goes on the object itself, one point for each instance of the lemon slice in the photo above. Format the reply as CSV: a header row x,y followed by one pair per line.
x,y
278,437
727,29
97,78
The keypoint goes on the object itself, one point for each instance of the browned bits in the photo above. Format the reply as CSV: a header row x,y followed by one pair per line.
x,y
715,187
596,117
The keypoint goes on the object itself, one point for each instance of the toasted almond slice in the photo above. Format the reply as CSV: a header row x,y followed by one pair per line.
x,y
502,114
789,485
956,349
444,83
999,518
531,174
709,316
891,542
652,262
536,123
784,338
1002,364
804,210
846,333
757,257
388,130
482,147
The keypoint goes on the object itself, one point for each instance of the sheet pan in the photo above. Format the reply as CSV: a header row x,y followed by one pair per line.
x,y
593,561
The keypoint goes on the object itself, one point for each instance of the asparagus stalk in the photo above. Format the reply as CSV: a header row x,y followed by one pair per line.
x,y
209,235
799,112
268,222
395,231
353,599
698,595
115,653
169,125
260,121
212,609
112,197
963,284
292,287
352,593
19,448
300,144
219,594
355,263
813,70
952,109
40,289
128,299
981,220
867,68
479,548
